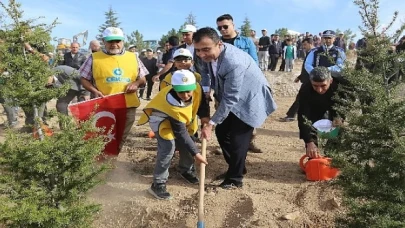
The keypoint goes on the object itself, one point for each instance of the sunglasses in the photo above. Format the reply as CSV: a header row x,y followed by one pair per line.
x,y
223,27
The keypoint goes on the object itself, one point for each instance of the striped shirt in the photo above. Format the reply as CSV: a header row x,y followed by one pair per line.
x,y
86,70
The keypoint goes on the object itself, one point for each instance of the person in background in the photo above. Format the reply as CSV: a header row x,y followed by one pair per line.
x,y
142,54
254,39
74,58
327,55
289,55
340,41
264,44
51,60
307,45
226,27
283,44
275,51
94,46
168,60
150,63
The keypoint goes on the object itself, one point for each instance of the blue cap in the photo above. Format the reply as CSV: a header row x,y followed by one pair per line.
x,y
328,33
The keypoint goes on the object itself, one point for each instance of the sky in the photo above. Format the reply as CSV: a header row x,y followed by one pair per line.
x,y
155,18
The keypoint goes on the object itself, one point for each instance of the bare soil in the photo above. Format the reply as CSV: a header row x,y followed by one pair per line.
x,y
274,186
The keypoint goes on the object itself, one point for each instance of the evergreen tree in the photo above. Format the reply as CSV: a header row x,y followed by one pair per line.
x,y
245,28
191,19
111,21
282,32
136,38
370,150
164,38
348,35
43,183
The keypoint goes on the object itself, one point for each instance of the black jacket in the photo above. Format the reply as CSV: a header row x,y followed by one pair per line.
x,y
275,49
151,66
313,106
75,62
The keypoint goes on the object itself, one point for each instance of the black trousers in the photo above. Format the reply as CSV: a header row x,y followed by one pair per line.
x,y
149,87
234,138
273,62
293,110
282,66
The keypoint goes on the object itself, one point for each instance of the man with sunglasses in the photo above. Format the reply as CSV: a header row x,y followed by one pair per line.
x,y
326,55
114,70
229,35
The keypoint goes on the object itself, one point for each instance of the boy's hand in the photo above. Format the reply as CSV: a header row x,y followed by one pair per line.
x,y
297,79
200,159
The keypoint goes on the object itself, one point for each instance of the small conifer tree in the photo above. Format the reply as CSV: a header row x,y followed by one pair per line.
x,y
43,183
370,150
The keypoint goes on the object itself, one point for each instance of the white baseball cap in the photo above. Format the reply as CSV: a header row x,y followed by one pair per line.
x,y
189,28
113,33
182,52
183,80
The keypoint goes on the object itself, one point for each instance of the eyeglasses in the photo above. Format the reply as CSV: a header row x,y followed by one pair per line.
x,y
225,27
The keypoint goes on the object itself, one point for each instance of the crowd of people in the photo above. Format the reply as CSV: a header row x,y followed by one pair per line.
x,y
205,66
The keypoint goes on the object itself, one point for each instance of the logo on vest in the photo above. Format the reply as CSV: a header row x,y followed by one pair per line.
x,y
117,72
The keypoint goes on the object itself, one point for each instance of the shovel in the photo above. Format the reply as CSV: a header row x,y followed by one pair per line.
x,y
200,223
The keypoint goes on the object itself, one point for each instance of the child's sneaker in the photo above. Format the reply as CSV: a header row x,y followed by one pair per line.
x,y
190,177
159,191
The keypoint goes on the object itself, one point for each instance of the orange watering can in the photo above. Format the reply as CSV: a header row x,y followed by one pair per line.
x,y
318,169
45,130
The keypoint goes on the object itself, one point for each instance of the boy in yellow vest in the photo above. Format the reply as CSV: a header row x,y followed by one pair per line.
x,y
183,60
172,115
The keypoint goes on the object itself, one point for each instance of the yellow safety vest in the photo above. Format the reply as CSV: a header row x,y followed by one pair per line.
x,y
186,115
112,74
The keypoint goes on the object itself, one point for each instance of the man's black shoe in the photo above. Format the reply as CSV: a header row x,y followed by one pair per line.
x,y
223,175
190,177
230,184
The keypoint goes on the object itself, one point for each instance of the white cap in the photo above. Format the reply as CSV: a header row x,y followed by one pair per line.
x,y
189,28
113,33
131,46
143,50
182,52
264,30
183,80
158,51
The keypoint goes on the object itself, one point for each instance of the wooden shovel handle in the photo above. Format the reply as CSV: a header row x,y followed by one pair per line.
x,y
202,179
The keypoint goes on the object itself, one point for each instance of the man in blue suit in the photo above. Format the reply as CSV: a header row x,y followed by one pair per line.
x,y
244,97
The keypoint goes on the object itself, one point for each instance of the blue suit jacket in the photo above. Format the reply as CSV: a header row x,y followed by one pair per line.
x,y
240,87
